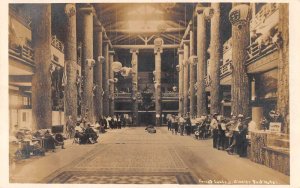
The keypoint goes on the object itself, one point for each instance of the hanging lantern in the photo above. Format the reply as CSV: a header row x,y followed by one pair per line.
x,y
125,71
240,15
174,88
116,66
157,115
101,59
178,68
158,42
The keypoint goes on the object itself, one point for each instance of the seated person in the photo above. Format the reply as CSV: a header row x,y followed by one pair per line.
x,y
91,134
51,142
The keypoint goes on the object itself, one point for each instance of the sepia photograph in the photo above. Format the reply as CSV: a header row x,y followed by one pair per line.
x,y
174,93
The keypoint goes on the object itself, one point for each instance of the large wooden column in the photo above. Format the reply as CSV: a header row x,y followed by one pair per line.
x,y
180,81
185,77
98,103
193,72
158,42
283,66
41,81
105,81
201,66
239,18
215,57
135,104
71,63
88,62
111,85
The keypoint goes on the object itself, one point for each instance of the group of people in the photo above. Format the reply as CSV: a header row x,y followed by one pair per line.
x,y
85,132
230,134
179,124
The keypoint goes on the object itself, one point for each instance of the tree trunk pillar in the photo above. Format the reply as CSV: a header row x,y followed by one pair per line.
x,y
201,66
239,18
41,82
215,57
135,104
180,81
185,78
71,64
98,76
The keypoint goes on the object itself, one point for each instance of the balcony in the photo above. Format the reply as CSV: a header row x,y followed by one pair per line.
x,y
23,52
269,13
265,37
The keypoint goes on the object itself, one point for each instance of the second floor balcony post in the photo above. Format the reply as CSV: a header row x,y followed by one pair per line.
x,y
239,17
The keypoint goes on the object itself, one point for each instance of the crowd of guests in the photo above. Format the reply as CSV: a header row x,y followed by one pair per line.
x,y
230,134
85,132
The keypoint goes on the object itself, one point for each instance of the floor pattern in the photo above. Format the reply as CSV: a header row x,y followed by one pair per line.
x,y
80,177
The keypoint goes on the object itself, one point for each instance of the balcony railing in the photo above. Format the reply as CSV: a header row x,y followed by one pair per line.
x,y
57,44
266,11
170,95
123,95
24,52
226,69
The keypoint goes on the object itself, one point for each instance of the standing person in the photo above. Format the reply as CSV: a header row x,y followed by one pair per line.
x,y
70,127
236,134
221,133
243,142
214,128
169,123
181,125
188,126
119,124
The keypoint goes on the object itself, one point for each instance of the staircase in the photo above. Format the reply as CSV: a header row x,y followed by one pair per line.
x,y
277,152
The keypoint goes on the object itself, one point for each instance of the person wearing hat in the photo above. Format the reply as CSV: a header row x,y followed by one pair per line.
x,y
214,128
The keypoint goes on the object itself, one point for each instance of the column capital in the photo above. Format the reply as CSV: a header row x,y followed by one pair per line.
x,y
240,15
70,9
88,9
134,50
180,51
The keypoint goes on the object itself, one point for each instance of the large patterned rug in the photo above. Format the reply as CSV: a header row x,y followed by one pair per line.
x,y
129,159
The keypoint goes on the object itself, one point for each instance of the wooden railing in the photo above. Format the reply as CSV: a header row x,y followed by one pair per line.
x,y
170,94
225,69
57,44
266,11
123,95
24,52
